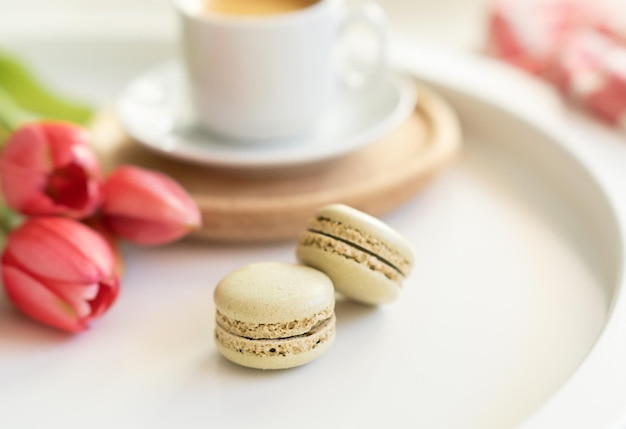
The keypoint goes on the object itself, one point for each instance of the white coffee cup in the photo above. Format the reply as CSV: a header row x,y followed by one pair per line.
x,y
257,78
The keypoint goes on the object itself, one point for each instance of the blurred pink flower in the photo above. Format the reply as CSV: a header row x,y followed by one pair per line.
x,y
579,46
47,168
527,33
147,207
59,272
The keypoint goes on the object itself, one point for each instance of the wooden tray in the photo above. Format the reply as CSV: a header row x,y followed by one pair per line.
x,y
249,206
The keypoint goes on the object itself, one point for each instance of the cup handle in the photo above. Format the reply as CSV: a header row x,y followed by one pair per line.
x,y
355,75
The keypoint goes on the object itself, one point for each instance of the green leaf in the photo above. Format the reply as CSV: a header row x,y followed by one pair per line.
x,y
30,98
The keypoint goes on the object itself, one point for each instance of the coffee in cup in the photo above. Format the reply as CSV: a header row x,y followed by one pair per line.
x,y
255,7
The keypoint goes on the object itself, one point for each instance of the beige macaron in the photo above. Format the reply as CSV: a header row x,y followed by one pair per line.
x,y
274,315
365,258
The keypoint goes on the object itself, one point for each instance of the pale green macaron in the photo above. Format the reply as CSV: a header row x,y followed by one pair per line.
x,y
365,258
274,315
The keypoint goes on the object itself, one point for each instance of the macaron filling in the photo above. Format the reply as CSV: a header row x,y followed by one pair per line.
x,y
324,232
273,330
321,333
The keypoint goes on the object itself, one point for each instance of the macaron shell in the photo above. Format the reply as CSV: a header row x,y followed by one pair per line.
x,y
276,353
273,292
369,226
351,278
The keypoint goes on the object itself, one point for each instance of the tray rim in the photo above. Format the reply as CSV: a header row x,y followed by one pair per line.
x,y
535,104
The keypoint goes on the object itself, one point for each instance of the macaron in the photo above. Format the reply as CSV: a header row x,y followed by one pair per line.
x,y
274,315
365,258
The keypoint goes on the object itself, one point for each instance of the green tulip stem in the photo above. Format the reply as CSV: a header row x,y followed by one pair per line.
x,y
9,220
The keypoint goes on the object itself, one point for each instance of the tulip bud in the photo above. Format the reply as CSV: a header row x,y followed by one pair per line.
x,y
59,272
48,169
147,207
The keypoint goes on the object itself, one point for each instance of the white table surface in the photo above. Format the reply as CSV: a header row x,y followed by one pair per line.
x,y
158,279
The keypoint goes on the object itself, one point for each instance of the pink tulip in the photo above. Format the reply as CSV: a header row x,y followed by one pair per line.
x,y
59,272
147,207
47,169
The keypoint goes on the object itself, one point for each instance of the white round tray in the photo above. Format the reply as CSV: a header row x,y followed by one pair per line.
x,y
514,315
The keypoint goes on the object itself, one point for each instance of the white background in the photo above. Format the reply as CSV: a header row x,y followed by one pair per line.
x,y
452,22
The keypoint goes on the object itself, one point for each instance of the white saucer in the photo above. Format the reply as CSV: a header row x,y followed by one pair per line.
x,y
154,109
